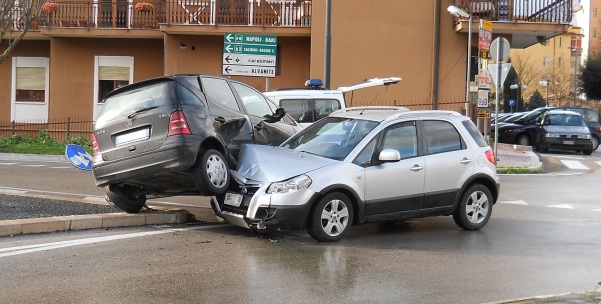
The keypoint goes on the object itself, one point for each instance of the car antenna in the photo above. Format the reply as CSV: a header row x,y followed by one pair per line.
x,y
369,104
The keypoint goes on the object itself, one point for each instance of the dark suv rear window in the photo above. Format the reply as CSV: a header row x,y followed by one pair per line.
x,y
124,103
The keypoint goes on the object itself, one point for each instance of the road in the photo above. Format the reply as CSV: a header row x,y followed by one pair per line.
x,y
543,238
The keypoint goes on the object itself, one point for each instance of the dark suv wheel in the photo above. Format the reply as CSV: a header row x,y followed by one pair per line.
x,y
211,173
124,198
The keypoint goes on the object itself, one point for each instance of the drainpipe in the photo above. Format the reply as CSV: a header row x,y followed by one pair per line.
x,y
436,60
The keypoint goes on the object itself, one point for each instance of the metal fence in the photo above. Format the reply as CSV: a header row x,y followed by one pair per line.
x,y
60,128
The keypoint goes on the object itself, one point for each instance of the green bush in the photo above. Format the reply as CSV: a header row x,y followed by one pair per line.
x,y
42,143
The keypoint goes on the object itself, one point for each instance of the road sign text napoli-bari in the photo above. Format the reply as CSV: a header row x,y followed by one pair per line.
x,y
249,55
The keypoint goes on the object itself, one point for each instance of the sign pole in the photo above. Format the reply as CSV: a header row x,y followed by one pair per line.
x,y
498,87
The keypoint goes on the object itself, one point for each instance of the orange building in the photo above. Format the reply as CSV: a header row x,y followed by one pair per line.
x,y
78,51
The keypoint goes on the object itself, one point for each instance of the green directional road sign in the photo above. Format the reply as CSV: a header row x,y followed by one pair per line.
x,y
249,54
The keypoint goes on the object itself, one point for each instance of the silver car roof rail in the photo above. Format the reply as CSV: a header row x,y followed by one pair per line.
x,y
368,108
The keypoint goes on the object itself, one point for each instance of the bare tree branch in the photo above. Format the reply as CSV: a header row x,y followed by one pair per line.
x,y
16,16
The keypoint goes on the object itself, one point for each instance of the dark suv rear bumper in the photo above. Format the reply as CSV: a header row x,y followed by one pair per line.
x,y
178,154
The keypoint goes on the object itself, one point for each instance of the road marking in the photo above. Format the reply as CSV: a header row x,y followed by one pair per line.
x,y
599,162
599,210
35,166
94,198
12,191
5,252
561,206
60,167
573,164
567,156
8,164
520,202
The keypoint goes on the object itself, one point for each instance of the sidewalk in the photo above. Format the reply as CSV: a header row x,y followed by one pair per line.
x,y
516,156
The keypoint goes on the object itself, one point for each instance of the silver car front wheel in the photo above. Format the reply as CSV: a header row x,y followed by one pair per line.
x,y
475,208
331,217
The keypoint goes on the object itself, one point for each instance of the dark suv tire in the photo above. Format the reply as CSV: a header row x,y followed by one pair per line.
x,y
124,199
211,173
474,208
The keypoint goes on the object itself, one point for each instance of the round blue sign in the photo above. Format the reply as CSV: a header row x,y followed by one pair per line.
x,y
79,157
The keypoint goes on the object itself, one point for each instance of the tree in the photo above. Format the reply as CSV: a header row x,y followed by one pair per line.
x,y
16,16
528,72
590,78
536,101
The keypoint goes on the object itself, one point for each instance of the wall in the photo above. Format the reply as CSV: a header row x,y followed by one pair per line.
x,y
72,69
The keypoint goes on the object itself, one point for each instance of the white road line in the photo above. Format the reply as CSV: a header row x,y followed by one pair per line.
x,y
41,191
5,252
567,156
12,191
94,198
8,164
60,167
599,162
561,206
599,210
574,164
520,202
35,166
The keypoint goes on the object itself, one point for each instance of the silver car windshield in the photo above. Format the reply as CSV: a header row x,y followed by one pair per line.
x,y
331,137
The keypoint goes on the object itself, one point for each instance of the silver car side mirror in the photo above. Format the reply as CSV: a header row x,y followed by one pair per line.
x,y
389,155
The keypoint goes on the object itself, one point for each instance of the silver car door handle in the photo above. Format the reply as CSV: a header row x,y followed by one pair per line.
x,y
465,161
416,168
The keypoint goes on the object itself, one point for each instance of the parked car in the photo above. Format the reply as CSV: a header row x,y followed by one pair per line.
x,y
362,165
314,102
522,130
563,129
179,135
591,118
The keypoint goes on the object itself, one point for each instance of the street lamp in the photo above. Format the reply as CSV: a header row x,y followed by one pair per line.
x,y
457,12
517,95
545,83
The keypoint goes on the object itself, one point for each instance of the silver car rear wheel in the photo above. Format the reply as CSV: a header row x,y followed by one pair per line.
x,y
331,217
475,208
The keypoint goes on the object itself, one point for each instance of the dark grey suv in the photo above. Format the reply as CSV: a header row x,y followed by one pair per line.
x,y
179,135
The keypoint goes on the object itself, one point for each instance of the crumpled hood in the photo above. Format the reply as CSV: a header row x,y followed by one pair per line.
x,y
566,129
273,164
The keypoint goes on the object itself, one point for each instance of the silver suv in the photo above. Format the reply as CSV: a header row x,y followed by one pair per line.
x,y
362,165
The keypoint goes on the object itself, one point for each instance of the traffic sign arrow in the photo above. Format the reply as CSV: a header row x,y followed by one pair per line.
x,y
228,48
228,69
228,59
229,37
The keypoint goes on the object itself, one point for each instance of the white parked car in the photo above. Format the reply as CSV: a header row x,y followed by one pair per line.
x,y
362,165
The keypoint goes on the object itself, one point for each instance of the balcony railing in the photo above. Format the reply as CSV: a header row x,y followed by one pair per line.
x,y
553,11
193,12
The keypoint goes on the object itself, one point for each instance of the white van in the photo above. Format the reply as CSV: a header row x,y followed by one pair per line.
x,y
312,103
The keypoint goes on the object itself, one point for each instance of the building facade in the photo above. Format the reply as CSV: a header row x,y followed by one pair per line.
x,y
78,51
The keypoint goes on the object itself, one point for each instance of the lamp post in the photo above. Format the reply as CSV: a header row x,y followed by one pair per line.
x,y
457,12
545,83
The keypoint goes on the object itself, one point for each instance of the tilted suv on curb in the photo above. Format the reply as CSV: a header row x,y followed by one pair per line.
x,y
179,135
362,165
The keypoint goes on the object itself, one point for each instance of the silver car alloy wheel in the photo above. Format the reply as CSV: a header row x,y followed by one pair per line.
x,y
477,207
334,217
216,171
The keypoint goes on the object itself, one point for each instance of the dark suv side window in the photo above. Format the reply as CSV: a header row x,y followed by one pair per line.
x,y
220,91
188,98
253,101
441,136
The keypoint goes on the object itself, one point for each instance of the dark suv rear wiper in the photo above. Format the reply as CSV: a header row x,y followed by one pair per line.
x,y
138,111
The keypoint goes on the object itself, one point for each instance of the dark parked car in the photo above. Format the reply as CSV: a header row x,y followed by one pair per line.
x,y
522,130
563,129
179,135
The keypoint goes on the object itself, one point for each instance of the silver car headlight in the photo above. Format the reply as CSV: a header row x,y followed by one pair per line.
x,y
584,136
554,135
291,185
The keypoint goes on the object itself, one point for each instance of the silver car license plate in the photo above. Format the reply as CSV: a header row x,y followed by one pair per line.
x,y
568,142
233,199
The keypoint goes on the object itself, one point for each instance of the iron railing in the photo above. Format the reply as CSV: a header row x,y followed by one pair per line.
x,y
60,128
552,11
119,15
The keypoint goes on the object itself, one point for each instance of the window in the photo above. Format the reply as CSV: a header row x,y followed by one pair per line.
x,y
559,41
31,84
402,138
309,110
186,97
220,92
441,137
546,62
253,101
559,62
594,32
110,78
595,12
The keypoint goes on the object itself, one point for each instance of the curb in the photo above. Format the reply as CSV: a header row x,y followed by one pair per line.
x,y
30,157
93,221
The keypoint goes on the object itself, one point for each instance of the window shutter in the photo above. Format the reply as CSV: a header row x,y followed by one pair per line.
x,y
113,73
31,78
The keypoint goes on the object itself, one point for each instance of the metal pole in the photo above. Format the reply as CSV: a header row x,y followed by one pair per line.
x,y
327,45
469,67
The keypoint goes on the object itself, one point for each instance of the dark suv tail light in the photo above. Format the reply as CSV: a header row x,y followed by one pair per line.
x,y
178,124
490,155
95,148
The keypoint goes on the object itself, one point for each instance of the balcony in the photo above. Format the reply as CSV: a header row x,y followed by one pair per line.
x,y
522,22
77,18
